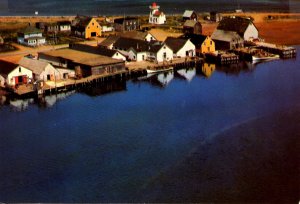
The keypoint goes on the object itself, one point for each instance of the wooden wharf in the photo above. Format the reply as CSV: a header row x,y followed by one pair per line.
x,y
222,58
51,87
283,51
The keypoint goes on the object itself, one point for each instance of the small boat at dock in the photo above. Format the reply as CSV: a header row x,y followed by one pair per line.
x,y
259,58
150,71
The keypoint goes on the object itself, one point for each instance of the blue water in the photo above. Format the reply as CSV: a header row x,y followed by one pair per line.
x,y
84,147
140,7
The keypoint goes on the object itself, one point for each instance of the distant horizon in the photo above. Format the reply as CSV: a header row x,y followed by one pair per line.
x,y
138,7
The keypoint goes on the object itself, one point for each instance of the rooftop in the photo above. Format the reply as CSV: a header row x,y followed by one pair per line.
x,y
190,23
6,67
226,36
36,66
175,43
188,13
93,49
235,24
81,57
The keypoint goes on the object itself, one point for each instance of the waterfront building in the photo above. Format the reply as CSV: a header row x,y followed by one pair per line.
x,y
84,64
12,74
192,27
41,70
181,47
86,27
140,50
31,36
242,26
156,16
227,40
126,24
190,15
204,44
115,54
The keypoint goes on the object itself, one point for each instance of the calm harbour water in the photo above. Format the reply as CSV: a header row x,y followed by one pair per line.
x,y
139,7
101,146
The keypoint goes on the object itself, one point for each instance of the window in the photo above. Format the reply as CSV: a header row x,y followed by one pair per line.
x,y
20,69
92,23
210,42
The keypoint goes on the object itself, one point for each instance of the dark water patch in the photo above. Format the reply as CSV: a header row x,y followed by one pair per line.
x,y
257,161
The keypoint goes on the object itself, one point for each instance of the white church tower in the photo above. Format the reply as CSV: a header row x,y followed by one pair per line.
x,y
156,16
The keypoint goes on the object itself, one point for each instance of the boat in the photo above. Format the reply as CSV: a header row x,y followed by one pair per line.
x,y
150,71
258,58
259,55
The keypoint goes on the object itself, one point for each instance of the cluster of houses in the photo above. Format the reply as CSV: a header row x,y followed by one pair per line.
x,y
111,55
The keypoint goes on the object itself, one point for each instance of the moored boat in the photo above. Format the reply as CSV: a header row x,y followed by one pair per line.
x,y
149,71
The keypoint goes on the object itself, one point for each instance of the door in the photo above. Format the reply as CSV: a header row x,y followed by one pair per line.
x,y
93,34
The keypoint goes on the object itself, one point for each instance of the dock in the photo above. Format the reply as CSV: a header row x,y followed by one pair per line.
x,y
281,50
222,58
135,70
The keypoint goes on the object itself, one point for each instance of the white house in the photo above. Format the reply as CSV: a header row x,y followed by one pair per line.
x,y
41,70
156,16
12,74
160,52
138,56
242,26
181,47
31,36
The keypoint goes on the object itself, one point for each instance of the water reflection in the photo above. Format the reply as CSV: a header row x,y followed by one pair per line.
x,y
187,74
104,88
161,80
208,69
236,69
48,101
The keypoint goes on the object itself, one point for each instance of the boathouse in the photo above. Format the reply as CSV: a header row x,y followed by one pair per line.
x,y
31,36
41,70
126,24
242,26
12,74
85,64
181,47
190,15
192,27
115,54
86,27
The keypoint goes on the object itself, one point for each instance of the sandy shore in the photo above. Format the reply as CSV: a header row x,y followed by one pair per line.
x,y
256,161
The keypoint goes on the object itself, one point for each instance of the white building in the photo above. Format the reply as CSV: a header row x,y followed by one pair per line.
x,y
156,16
12,74
41,70
181,47
31,36
242,26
